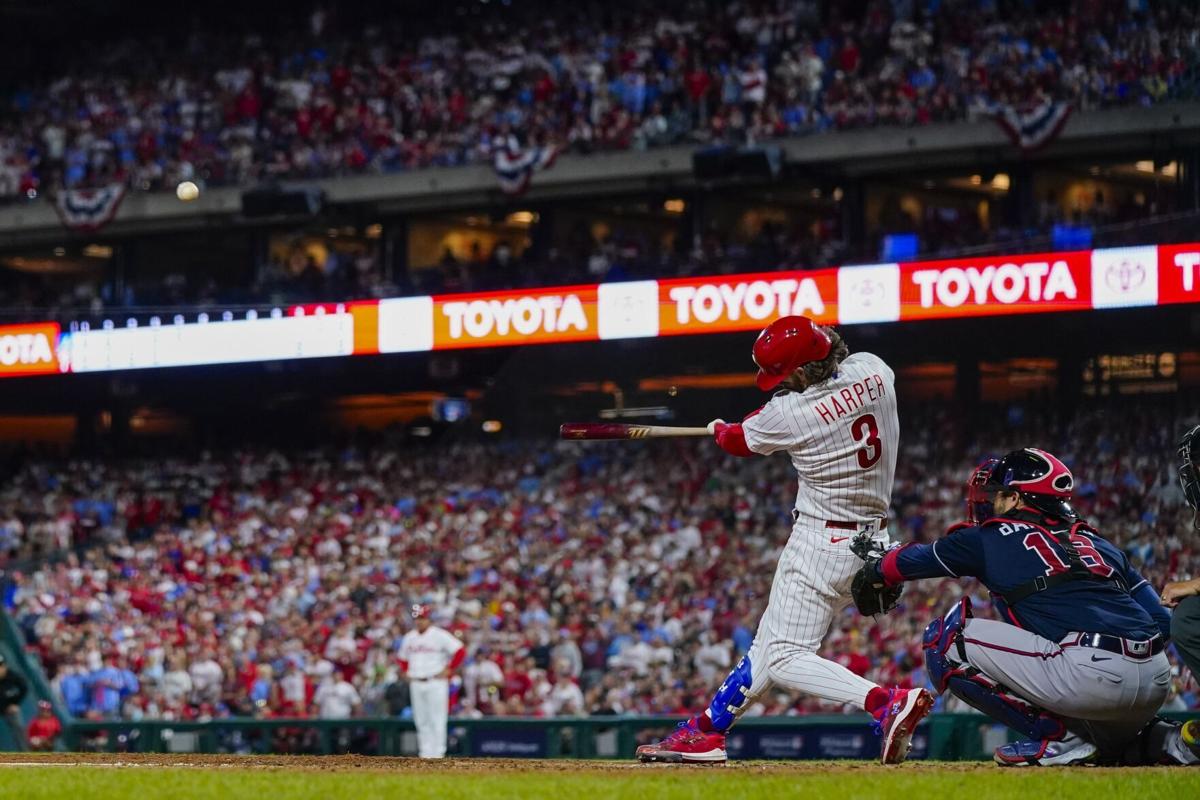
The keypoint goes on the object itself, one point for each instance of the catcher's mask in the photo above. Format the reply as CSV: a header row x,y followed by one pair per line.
x,y
979,499
1042,481
1189,471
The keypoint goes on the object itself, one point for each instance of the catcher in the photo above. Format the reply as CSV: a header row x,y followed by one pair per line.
x,y
1079,670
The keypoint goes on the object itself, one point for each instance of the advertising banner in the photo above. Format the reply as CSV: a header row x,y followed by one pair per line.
x,y
994,285
975,286
29,349
567,314
816,741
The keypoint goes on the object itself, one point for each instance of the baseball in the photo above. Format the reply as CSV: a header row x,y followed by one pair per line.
x,y
187,191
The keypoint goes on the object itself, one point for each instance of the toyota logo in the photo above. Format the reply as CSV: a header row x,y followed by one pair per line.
x,y
628,307
1125,276
868,291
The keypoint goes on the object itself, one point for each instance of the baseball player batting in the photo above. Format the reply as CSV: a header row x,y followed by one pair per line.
x,y
428,654
836,419
1079,667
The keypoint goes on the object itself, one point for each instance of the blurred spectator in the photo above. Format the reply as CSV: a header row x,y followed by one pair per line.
x,y
336,698
415,90
44,729
630,577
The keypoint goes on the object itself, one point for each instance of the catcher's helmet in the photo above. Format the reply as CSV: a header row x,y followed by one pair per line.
x,y
1042,481
785,345
1189,471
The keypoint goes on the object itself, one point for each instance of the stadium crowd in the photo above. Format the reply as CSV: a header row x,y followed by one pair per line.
x,y
625,254
584,579
442,89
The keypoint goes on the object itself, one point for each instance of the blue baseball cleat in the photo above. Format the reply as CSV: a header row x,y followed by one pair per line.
x,y
1046,753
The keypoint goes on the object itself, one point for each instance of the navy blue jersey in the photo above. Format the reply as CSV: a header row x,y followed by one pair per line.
x,y
1006,554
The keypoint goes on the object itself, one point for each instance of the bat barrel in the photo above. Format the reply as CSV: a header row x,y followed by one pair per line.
x,y
620,430
598,430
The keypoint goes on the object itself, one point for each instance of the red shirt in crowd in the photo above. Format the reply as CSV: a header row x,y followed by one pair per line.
x,y
43,727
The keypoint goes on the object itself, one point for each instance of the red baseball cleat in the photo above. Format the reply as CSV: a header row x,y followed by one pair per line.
x,y
897,720
687,744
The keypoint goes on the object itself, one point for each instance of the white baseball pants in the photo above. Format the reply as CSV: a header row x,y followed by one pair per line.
x,y
431,709
811,586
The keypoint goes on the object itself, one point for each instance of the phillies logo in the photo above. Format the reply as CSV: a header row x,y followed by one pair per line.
x,y
1125,276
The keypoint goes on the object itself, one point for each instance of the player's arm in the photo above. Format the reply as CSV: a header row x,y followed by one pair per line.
x,y
1139,588
730,437
457,653
1147,598
402,657
767,430
1175,591
953,556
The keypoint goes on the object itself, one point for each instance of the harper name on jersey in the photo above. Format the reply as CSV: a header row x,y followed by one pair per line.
x,y
852,399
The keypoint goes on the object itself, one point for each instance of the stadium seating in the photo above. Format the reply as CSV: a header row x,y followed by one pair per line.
x,y
405,94
607,578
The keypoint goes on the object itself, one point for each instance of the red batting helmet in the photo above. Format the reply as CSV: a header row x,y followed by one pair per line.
x,y
1040,478
785,345
421,611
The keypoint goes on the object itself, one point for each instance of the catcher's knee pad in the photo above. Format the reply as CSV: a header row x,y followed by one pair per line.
x,y
948,668
732,695
943,645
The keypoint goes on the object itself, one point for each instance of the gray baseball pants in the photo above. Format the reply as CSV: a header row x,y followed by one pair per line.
x,y
1104,697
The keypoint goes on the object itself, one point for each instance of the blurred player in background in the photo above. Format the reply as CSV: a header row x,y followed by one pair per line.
x,y
428,656
13,689
836,418
1184,596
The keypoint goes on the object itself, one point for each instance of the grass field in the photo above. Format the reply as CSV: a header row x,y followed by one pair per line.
x,y
69,777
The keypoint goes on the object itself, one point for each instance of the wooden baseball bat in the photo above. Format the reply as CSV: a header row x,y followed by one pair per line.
x,y
619,430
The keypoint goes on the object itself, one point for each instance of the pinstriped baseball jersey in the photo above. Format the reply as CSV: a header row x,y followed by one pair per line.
x,y
842,436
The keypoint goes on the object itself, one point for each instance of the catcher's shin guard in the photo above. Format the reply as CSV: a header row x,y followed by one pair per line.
x,y
948,668
732,696
940,636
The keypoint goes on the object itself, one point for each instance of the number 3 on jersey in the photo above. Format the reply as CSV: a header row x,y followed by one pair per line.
x,y
865,429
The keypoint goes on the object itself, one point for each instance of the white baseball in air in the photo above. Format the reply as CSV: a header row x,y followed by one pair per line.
x,y
187,191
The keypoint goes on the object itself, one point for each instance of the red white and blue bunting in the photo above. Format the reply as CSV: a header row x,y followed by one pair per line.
x,y
515,165
89,210
1034,128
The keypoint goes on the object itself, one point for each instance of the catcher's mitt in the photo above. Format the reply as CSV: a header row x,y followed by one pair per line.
x,y
871,594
